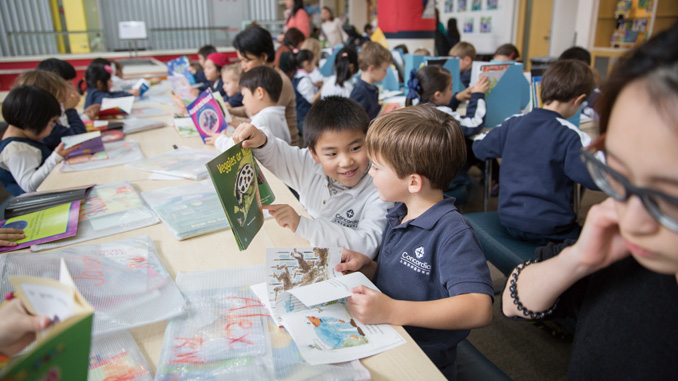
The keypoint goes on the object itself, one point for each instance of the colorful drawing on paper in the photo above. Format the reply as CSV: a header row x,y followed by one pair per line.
x,y
109,199
468,25
476,5
492,5
461,6
449,6
118,367
486,24
334,330
300,268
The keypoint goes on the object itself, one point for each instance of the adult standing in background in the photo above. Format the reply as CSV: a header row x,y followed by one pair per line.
x,y
298,18
440,39
332,28
453,36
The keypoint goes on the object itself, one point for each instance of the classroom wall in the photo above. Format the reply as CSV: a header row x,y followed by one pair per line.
x,y
563,26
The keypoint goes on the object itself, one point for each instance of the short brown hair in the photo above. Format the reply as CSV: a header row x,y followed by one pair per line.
x,y
373,54
463,49
236,69
46,80
565,80
419,139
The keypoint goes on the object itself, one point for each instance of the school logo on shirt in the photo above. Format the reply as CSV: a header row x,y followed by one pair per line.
x,y
349,213
415,264
347,222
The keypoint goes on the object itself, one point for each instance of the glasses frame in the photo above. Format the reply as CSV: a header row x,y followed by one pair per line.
x,y
645,194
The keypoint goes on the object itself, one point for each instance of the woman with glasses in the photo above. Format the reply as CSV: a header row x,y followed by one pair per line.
x,y
619,279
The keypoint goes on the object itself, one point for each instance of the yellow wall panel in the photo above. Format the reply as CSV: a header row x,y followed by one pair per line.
x,y
74,12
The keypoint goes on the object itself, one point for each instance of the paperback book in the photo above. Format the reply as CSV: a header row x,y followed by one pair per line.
x,y
113,107
185,127
207,114
34,201
45,225
179,66
118,152
88,143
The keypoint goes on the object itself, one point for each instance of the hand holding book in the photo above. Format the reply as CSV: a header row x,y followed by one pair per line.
x,y
284,215
18,327
7,235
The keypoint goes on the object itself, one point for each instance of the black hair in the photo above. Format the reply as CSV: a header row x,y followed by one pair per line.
x,y
565,80
298,58
431,78
100,61
508,50
333,113
265,77
367,26
576,53
64,69
207,50
298,4
342,65
30,108
94,74
293,38
453,30
255,40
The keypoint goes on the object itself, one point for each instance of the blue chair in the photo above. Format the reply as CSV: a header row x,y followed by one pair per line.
x,y
500,248
473,365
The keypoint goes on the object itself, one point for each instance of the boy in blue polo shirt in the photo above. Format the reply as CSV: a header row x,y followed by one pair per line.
x,y
373,61
430,266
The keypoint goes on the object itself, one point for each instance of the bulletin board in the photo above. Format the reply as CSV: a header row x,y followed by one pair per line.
x,y
486,24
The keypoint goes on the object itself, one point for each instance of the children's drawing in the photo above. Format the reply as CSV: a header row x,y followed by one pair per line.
x,y
476,4
468,25
492,4
333,333
461,6
486,25
109,199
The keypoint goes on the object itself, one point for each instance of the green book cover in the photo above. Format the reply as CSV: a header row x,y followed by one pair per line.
x,y
234,174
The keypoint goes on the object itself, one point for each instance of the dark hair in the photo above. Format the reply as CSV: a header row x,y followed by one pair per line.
x,y
576,53
333,113
255,40
207,50
94,74
366,27
64,69
431,78
298,58
453,30
656,63
331,13
342,65
508,50
265,77
298,4
100,61
402,47
30,108
293,38
565,80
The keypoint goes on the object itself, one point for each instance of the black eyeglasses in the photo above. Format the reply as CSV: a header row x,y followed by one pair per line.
x,y
662,207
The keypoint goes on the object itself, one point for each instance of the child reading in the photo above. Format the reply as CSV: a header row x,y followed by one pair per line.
x,y
99,83
18,327
345,67
66,71
373,61
230,76
330,177
261,87
540,158
430,268
199,74
213,65
305,91
316,47
31,113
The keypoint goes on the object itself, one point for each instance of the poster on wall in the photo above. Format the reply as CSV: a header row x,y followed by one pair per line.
x,y
492,5
476,5
486,25
461,6
449,6
468,25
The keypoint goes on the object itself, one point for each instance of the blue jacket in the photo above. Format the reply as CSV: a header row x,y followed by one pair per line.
x,y
234,101
76,127
540,164
368,97
95,96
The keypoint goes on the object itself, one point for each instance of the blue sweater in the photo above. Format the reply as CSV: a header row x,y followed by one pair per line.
x,y
540,163
368,97
95,96
76,126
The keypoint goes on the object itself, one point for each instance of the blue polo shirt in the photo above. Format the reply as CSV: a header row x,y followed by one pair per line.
x,y
431,257
368,97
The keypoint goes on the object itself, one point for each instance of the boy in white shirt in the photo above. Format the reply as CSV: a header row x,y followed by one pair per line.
x,y
260,87
330,177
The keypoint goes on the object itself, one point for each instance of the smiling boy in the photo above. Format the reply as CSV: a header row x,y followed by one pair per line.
x,y
331,177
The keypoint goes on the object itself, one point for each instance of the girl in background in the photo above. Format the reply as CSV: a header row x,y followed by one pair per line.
x,y
296,18
314,46
99,83
213,66
332,28
291,42
305,91
345,67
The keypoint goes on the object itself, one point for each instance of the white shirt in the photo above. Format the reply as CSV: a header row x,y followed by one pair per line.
x,y
333,32
316,76
305,87
23,161
271,118
354,219
331,88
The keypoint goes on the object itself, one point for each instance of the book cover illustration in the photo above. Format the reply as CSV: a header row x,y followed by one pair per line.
x,y
207,114
124,281
89,143
116,356
227,334
235,178
182,93
109,199
45,225
185,127
118,152
61,350
388,107
179,66
181,162
493,72
111,107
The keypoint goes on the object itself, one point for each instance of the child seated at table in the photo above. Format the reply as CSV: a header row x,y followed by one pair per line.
x,y
261,87
199,74
25,162
345,67
66,71
99,84
230,76
431,271
373,61
330,177
305,91
540,158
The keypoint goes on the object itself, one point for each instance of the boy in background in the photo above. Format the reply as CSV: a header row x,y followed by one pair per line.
x,y
373,61
431,271
230,77
466,53
330,177
540,158
200,74
261,87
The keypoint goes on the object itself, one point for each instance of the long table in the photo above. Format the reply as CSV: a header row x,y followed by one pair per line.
x,y
219,250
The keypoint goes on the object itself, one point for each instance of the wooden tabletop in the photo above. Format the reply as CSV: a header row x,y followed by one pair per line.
x,y
219,249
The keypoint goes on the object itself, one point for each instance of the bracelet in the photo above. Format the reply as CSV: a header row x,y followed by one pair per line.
x,y
514,294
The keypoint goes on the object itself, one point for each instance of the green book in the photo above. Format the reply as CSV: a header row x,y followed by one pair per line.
x,y
241,190
61,351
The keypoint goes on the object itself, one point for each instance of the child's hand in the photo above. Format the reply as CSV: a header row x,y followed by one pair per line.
x,y
192,70
8,235
135,92
253,136
284,215
72,100
92,111
228,105
211,140
370,307
352,261
195,92
481,86
464,95
64,152
18,327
